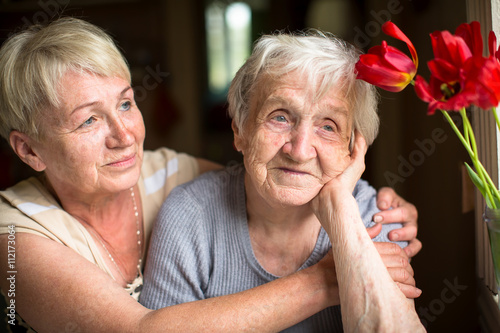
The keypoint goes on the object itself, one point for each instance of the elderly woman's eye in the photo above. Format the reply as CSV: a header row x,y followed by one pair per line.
x,y
126,106
280,118
328,128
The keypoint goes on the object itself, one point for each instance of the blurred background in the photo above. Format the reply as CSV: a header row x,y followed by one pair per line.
x,y
183,54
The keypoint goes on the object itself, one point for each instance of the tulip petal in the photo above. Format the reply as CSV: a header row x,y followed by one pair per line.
x,y
471,34
492,44
392,30
370,69
450,48
443,70
400,61
422,89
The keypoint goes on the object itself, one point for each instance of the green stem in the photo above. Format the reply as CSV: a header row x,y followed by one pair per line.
x,y
458,133
472,151
475,159
494,110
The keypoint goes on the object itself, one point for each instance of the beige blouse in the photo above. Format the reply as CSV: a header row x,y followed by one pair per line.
x,y
29,207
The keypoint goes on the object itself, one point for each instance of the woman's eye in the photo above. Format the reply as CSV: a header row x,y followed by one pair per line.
x,y
328,128
88,122
281,119
125,106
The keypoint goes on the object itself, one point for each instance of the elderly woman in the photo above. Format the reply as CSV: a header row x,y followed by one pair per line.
x,y
79,231
300,119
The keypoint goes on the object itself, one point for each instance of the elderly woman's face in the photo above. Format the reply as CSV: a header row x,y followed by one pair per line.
x,y
94,141
293,144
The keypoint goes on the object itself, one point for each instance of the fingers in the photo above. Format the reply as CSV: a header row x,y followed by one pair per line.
x,y
385,197
405,212
393,256
409,291
357,162
375,230
413,248
397,262
401,212
407,233
360,146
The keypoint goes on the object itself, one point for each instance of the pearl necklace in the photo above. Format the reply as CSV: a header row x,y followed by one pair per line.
x,y
136,214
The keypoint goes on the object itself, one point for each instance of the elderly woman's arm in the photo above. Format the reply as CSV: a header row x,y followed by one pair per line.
x,y
370,299
57,290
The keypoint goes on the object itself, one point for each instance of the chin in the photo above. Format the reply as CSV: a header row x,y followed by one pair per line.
x,y
294,197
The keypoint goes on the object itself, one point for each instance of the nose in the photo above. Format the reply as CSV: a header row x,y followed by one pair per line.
x,y
301,146
120,134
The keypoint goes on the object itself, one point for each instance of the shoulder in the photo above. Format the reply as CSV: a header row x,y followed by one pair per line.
x,y
203,200
213,185
24,205
164,163
364,191
366,197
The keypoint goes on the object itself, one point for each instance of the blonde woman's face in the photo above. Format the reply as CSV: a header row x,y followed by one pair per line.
x,y
293,144
93,143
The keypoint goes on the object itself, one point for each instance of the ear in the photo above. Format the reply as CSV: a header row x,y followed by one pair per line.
x,y
23,147
238,139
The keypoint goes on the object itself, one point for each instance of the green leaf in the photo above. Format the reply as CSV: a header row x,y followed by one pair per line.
x,y
477,182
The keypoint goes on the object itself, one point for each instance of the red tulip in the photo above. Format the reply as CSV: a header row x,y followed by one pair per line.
x,y
440,95
386,66
448,75
482,83
450,54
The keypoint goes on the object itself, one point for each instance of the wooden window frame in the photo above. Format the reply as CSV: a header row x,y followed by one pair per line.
x,y
487,12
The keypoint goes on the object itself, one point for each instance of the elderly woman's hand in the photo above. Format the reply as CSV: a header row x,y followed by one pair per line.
x,y
341,186
347,179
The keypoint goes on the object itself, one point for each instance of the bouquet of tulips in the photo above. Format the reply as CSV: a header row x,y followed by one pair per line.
x,y
460,77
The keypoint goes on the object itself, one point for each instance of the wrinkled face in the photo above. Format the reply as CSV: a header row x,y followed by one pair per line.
x,y
93,143
293,144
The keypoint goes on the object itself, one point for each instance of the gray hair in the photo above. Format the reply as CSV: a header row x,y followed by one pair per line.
x,y
321,58
33,62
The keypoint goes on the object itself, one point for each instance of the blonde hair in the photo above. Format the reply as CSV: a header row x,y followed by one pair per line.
x,y
321,58
33,62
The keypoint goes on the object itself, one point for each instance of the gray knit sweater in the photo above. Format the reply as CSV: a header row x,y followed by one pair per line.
x,y
200,246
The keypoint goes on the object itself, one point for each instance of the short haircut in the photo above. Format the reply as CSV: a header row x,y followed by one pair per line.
x,y
33,61
322,59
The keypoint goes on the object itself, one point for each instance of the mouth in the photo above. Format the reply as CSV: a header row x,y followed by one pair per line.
x,y
294,172
125,161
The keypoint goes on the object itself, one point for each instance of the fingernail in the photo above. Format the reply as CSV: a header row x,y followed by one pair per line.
x,y
377,219
419,291
395,237
384,204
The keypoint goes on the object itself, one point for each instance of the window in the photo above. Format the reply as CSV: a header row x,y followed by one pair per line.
x,y
228,34
486,12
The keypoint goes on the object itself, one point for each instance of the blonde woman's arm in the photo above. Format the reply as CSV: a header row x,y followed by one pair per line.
x,y
57,290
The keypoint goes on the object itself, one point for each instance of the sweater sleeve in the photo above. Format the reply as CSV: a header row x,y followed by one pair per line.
x,y
178,264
